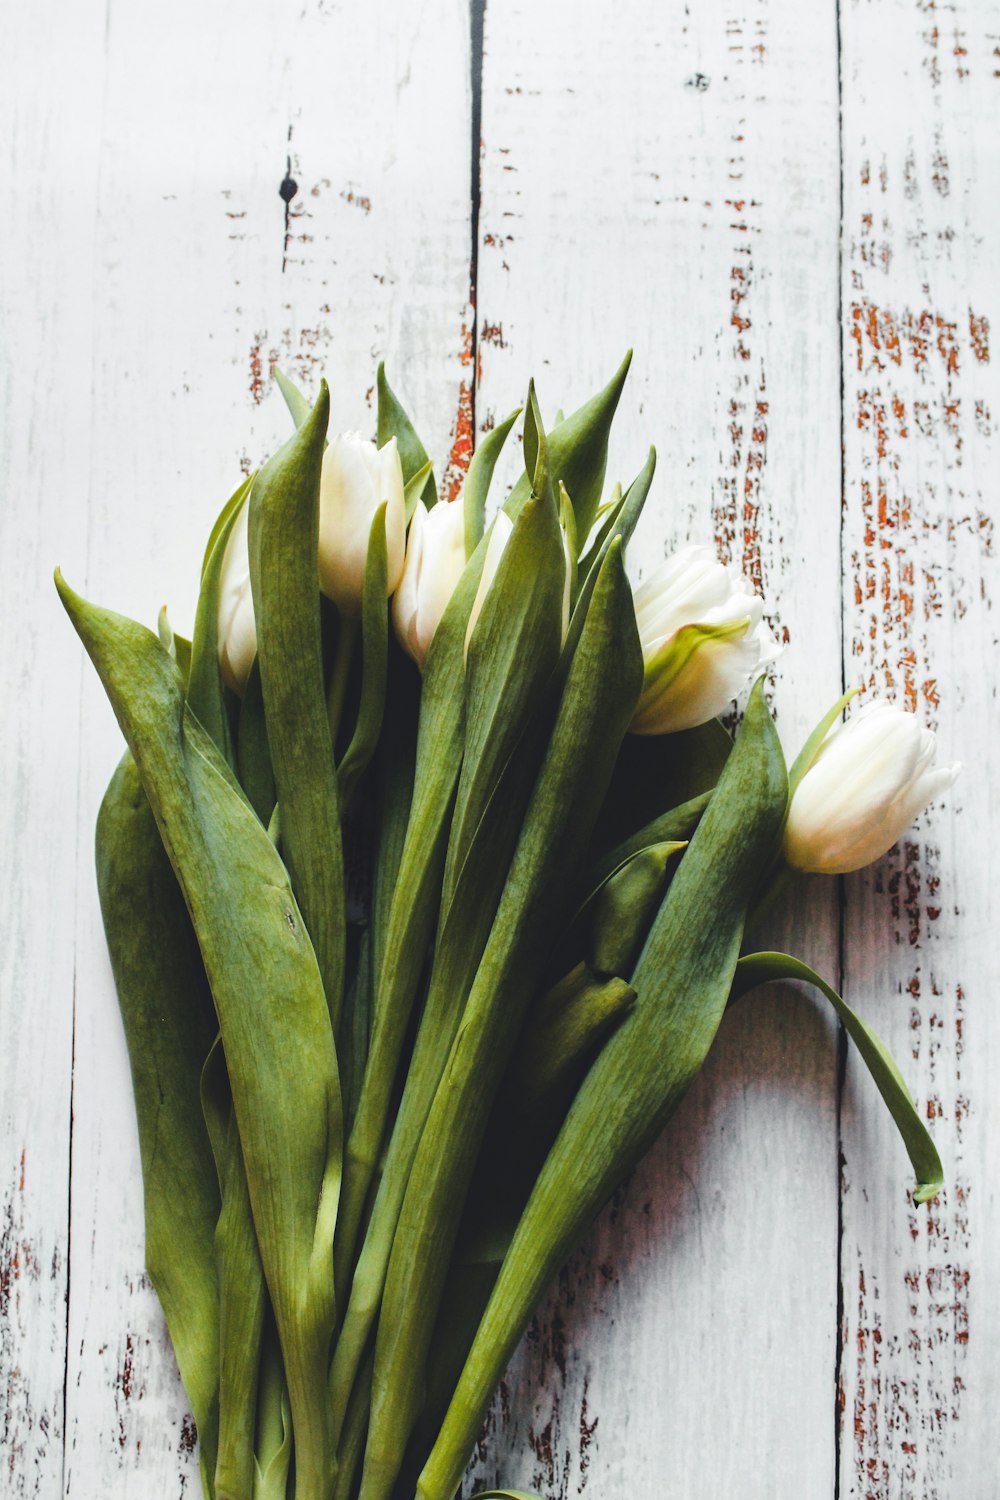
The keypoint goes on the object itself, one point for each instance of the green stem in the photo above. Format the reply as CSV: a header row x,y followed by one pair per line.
x,y
347,635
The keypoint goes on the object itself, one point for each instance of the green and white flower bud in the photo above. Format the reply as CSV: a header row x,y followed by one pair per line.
x,y
236,625
870,779
435,560
703,637
357,479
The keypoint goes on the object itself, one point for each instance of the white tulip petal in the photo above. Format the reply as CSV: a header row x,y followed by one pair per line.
x,y
694,588
872,777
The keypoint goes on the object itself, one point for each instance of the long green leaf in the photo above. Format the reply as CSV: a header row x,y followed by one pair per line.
x,y
242,1292
297,403
393,422
169,1022
477,480
268,997
682,980
763,968
512,655
284,511
578,453
597,702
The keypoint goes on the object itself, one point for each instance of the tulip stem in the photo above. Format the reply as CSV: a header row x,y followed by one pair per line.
x,y
346,638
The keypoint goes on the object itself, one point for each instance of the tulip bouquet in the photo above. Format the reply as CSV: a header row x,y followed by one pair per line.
x,y
427,877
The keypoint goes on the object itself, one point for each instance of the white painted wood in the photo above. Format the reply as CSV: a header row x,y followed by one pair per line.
x,y
47,187
920,1375
667,175
198,285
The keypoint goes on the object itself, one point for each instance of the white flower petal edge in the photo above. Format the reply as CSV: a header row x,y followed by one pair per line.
x,y
357,478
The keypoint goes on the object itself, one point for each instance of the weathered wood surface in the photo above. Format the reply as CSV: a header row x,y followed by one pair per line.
x,y
775,204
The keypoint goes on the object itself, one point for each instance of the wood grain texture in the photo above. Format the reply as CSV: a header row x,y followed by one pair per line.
x,y
193,195
48,186
919,1376
668,175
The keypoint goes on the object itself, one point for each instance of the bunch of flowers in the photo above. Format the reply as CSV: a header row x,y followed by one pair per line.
x,y
427,877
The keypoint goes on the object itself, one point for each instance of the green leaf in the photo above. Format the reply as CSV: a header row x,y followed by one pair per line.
x,y
234,502
412,490
622,518
409,927
512,655
677,825
682,979
297,404
477,481
374,661
763,968
268,997
242,1294
655,773
598,698
535,447
625,905
169,1022
253,755
284,530
205,690
274,1423
393,422
578,453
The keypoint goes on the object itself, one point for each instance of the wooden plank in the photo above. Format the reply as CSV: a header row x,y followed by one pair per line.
x,y
205,274
921,179
47,190
669,175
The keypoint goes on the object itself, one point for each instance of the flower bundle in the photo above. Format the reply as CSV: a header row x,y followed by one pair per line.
x,y
427,876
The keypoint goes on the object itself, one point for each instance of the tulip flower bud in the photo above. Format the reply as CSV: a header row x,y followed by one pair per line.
x,y
236,625
357,478
435,560
870,779
499,537
703,638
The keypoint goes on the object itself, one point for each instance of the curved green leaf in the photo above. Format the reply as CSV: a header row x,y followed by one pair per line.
x,y
763,968
682,979
169,1022
597,701
393,422
284,530
242,1294
477,480
578,453
297,404
268,997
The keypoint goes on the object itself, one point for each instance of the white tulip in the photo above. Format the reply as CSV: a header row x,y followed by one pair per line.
x,y
871,778
357,478
499,537
703,637
435,560
236,625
